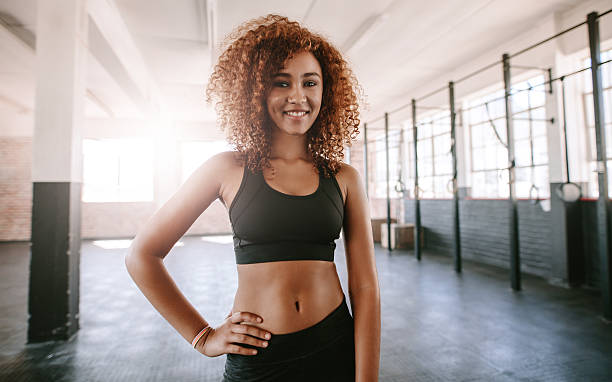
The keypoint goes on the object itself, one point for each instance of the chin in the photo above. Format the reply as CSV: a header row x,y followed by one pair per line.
x,y
295,131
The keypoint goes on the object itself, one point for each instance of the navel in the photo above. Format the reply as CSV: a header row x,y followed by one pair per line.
x,y
297,306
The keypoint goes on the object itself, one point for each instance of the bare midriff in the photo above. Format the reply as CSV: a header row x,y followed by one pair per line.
x,y
288,295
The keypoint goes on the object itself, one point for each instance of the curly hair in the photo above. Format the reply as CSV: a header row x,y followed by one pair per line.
x,y
241,81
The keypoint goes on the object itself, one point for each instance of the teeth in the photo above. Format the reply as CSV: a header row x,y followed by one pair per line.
x,y
296,113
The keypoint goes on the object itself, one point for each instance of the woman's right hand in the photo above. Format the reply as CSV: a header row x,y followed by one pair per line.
x,y
225,338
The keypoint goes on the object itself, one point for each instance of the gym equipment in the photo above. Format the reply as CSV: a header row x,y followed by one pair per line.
x,y
569,191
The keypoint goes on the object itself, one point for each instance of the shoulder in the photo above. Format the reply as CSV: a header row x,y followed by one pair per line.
x,y
226,157
219,168
228,172
348,173
348,178
224,162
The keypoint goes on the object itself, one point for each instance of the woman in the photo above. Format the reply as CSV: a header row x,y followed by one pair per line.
x,y
288,102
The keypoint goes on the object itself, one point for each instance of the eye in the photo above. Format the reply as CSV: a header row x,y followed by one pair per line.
x,y
310,83
281,84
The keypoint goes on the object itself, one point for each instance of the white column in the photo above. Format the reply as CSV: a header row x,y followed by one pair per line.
x,y
61,51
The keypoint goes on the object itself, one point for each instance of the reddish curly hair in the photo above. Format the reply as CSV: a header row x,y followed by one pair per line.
x,y
241,81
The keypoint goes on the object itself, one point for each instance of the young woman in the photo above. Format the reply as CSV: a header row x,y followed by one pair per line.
x,y
288,103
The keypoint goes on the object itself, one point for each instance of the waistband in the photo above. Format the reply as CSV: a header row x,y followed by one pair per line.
x,y
284,347
282,251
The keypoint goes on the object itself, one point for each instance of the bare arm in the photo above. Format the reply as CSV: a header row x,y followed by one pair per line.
x,y
149,248
362,277
151,276
156,238
156,284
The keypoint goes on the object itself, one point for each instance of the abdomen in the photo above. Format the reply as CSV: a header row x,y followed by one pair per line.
x,y
289,295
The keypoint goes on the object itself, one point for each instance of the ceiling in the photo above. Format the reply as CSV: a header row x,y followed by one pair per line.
x,y
404,45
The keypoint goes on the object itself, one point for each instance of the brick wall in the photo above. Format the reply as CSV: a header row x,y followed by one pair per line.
x,y
15,188
99,220
484,231
535,237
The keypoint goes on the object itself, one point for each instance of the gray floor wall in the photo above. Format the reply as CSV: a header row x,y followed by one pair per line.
x,y
484,231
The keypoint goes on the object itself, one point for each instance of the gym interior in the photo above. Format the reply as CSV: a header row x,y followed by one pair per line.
x,y
483,149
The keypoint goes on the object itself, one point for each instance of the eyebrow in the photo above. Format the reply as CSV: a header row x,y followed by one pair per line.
x,y
309,74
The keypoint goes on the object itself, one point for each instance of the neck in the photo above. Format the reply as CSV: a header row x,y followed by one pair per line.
x,y
288,147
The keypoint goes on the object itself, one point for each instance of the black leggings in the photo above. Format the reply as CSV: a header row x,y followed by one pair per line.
x,y
324,351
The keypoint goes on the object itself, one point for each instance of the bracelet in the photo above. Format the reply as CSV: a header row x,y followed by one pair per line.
x,y
199,335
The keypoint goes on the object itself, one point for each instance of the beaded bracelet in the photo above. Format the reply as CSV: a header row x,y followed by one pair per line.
x,y
199,335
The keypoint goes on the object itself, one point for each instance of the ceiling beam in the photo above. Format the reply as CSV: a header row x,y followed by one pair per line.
x,y
114,47
202,19
213,30
14,26
17,44
308,11
21,43
106,57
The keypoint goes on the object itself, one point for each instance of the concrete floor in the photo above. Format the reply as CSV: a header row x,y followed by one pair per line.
x,y
436,325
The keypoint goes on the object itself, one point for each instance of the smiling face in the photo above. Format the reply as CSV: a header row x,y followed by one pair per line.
x,y
294,100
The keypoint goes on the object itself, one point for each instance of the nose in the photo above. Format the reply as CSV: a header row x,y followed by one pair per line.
x,y
296,95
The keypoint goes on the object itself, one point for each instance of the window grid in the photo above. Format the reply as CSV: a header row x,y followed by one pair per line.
x,y
380,184
489,158
435,159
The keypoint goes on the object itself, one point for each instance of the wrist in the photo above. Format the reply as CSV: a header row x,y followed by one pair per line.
x,y
201,334
202,342
206,335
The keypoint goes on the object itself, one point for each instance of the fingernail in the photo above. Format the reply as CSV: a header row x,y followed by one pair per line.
x,y
268,335
258,319
265,344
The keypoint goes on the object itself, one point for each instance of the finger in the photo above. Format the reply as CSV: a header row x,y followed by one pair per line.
x,y
245,317
246,339
251,330
235,349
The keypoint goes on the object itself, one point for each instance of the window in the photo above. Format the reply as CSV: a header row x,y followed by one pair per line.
x,y
435,162
380,184
194,153
530,138
118,170
589,118
487,126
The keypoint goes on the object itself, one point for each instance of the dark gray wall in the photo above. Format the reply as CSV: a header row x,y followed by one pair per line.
x,y
589,242
484,231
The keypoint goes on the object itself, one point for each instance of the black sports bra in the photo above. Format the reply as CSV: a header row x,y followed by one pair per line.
x,y
269,225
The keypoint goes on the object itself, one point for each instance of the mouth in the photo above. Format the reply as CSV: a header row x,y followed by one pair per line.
x,y
296,114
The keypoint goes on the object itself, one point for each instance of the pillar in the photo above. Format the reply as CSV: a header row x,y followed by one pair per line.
x,y
61,52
